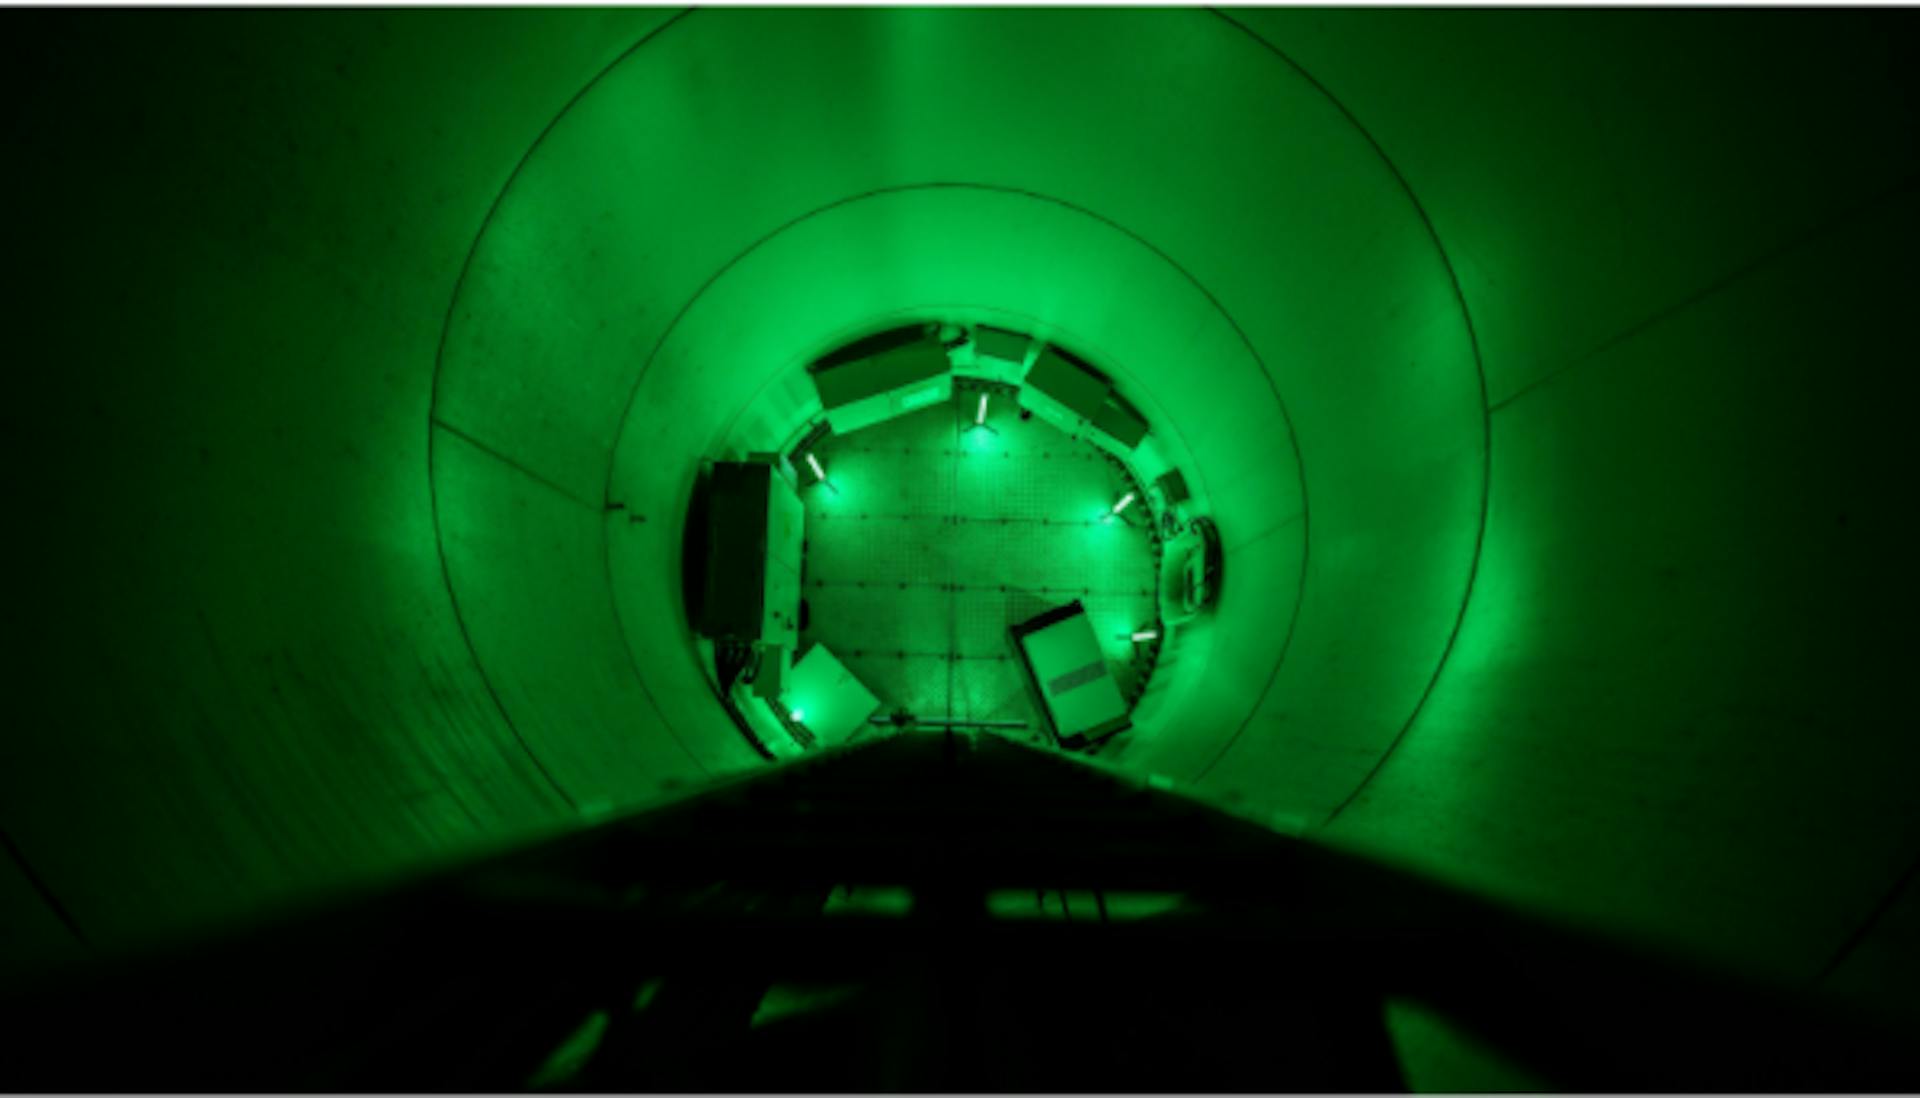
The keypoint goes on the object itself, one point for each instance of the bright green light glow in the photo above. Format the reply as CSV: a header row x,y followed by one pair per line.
x,y
1017,903
1146,634
1122,505
869,900
980,418
783,1001
644,995
567,1060
922,398
799,715
814,462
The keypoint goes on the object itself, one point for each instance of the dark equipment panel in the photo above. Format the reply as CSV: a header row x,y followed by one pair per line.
x,y
733,593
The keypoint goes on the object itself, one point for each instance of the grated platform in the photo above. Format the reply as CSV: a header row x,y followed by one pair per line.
x,y
935,536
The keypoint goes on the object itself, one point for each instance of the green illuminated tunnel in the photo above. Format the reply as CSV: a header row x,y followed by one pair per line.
x,y
1537,366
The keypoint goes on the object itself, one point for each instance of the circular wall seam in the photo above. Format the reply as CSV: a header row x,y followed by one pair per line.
x,y
1486,418
1346,113
433,406
1253,352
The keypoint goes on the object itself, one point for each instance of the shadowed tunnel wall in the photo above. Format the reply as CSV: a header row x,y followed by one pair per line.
x,y
1586,326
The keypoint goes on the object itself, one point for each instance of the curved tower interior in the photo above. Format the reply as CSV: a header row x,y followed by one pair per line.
x,y
1465,444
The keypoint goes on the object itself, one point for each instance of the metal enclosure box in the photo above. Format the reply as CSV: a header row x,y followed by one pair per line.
x,y
865,389
751,586
1123,425
832,703
1074,397
998,343
1079,698
1173,486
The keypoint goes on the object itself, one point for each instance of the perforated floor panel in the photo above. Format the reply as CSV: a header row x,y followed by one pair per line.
x,y
933,537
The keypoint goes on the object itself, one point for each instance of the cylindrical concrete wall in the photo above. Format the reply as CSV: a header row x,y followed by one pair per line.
x,y
1307,351
1570,571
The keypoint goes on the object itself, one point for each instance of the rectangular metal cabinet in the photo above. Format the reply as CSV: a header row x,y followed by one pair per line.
x,y
1061,654
751,585
1076,398
860,392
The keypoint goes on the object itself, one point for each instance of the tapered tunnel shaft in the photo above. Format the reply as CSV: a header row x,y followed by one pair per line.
x,y
1540,369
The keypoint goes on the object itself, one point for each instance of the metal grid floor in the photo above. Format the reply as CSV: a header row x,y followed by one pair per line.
x,y
934,536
